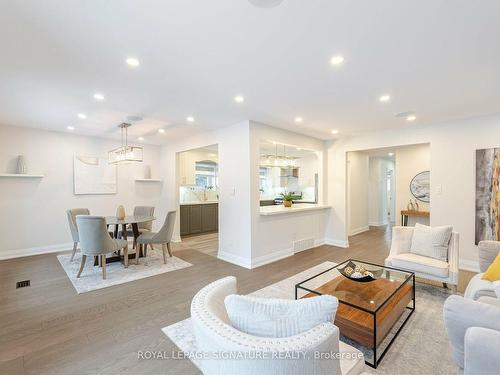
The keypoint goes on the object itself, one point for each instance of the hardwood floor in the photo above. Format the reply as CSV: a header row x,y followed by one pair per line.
x,y
49,329
207,243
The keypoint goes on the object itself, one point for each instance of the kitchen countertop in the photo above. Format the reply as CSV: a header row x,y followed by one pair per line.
x,y
197,202
301,207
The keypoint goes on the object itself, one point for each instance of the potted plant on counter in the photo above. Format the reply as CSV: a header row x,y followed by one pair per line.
x,y
287,199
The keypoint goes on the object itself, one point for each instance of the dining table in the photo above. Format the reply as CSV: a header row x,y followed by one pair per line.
x,y
134,222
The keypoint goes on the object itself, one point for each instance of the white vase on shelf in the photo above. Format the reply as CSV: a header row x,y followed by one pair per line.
x,y
21,165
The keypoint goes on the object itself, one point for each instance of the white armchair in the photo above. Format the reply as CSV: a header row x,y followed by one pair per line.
x,y
478,287
474,331
424,267
217,341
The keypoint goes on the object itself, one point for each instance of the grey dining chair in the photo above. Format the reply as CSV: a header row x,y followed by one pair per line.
x,y
72,213
145,226
95,241
163,237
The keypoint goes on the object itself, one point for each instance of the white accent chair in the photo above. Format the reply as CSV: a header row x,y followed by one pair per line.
x,y
474,332
423,267
71,214
478,287
214,334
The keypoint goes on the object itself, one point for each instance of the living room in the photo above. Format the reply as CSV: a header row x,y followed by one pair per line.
x,y
323,199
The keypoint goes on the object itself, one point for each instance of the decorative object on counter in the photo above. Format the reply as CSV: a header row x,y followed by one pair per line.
x,y
287,199
359,273
410,206
147,172
120,212
21,165
420,186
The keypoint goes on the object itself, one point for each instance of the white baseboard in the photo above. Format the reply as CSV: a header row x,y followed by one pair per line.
x,y
359,230
273,257
18,253
377,223
235,259
469,265
337,243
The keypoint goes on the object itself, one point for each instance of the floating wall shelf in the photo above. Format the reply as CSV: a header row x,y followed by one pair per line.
x,y
148,180
19,175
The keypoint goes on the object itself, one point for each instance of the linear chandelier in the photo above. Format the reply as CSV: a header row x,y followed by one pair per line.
x,y
275,160
125,153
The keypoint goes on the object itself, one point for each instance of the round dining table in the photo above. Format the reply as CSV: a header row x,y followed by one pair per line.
x,y
134,222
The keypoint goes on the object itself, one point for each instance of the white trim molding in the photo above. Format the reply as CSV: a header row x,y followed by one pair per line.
x,y
273,257
38,250
234,259
337,243
359,230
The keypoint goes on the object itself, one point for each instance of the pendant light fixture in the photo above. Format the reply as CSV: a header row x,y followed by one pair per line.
x,y
125,153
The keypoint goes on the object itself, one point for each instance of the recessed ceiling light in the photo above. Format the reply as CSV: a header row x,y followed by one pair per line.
x,y
337,60
133,62
161,130
98,96
239,99
140,138
299,119
70,127
384,98
391,154
335,131
411,118
190,119
83,116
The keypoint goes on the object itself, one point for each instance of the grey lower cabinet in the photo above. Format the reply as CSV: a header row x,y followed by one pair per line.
x,y
199,218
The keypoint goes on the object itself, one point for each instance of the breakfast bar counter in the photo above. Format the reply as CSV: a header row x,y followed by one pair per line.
x,y
299,207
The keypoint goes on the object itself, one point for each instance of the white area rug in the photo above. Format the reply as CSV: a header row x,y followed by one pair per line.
x,y
421,348
116,273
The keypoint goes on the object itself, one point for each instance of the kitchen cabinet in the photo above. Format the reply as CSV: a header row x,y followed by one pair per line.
x,y
187,169
199,218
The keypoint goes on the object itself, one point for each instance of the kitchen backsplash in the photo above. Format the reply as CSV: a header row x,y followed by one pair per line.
x,y
196,194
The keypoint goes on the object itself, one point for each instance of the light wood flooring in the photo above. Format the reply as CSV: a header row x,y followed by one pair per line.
x,y
49,329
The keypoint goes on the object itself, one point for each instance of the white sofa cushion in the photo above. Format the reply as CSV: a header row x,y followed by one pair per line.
x,y
278,317
431,242
420,264
478,287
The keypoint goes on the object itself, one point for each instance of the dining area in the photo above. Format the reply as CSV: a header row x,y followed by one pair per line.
x,y
119,241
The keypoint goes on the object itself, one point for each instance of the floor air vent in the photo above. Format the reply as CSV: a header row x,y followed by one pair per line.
x,y
303,244
22,284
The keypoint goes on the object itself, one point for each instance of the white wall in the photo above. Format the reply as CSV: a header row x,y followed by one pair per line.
x,y
33,211
452,148
378,204
234,187
273,236
357,180
410,161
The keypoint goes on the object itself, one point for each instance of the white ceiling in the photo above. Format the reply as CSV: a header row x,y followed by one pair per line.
x,y
439,58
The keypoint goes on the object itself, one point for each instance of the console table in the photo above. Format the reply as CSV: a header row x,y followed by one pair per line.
x,y
406,214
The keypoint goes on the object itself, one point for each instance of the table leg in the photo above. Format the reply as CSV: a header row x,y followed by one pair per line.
x,y
116,231
124,232
135,229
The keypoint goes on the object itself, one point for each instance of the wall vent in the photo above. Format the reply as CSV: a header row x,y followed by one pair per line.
x,y
304,244
22,284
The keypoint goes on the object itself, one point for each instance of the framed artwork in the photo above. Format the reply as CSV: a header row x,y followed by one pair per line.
x,y
92,175
488,194
420,186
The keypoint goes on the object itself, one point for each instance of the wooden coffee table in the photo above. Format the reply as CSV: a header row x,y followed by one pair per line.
x,y
368,311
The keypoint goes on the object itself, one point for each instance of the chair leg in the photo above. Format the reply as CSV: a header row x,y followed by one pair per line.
x,y
125,256
169,249
134,244
445,285
137,253
75,245
82,264
145,249
164,250
103,262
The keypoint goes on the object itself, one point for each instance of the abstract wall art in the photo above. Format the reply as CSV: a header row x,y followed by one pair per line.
x,y
93,176
420,186
488,194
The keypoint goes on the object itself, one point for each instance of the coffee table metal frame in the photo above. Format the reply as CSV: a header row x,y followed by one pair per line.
x,y
411,276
